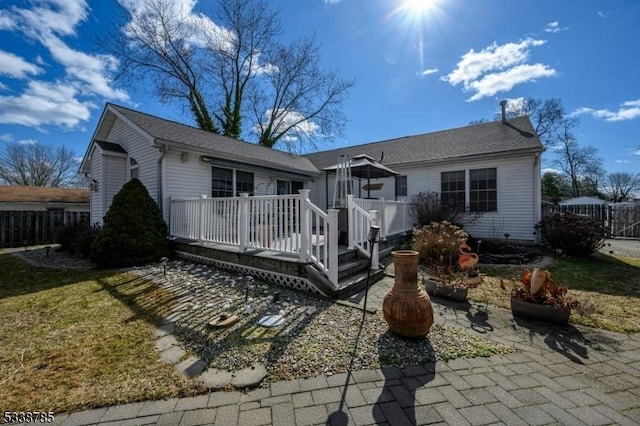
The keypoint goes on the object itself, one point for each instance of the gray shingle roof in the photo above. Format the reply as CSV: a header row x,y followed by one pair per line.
x,y
517,135
220,146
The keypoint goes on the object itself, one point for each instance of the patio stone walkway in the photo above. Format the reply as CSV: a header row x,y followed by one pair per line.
x,y
569,375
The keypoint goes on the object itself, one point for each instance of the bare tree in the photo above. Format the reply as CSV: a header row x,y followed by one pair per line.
x,y
38,165
548,117
215,66
620,184
573,159
237,58
300,100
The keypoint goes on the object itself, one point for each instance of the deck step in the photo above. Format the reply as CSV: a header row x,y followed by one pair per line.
x,y
352,267
356,282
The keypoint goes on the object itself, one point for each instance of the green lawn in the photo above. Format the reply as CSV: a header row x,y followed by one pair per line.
x,y
608,289
66,343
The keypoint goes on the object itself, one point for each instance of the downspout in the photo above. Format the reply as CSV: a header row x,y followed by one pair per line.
x,y
164,149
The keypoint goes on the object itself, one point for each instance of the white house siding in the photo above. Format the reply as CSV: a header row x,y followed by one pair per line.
x,y
141,150
113,181
186,176
96,213
517,203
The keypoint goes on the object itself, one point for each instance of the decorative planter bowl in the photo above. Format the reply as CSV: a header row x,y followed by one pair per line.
x,y
537,311
407,307
446,291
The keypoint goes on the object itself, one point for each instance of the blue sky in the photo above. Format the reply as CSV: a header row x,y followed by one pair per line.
x,y
420,66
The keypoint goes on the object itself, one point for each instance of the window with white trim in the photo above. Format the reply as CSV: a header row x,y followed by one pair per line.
x,y
401,186
452,189
244,182
483,190
134,170
221,182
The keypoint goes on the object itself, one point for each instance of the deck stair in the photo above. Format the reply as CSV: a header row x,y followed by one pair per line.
x,y
352,274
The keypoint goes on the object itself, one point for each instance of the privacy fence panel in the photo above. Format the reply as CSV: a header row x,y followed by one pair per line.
x,y
620,220
22,227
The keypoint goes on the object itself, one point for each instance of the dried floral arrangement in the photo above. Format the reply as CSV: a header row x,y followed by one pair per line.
x,y
443,249
538,287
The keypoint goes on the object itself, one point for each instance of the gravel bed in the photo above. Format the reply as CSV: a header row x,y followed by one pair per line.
x,y
55,258
316,337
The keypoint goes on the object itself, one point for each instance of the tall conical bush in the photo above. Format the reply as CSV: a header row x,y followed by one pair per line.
x,y
133,232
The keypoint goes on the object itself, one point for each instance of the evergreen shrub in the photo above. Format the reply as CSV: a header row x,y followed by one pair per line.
x,y
133,232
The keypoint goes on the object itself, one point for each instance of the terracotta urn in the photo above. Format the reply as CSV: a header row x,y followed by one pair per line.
x,y
407,307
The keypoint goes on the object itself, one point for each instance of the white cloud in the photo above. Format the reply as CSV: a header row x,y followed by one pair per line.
x,y
63,102
554,27
429,71
601,14
497,68
551,170
6,137
45,103
623,161
7,22
306,128
3,86
331,1
16,66
491,84
636,152
628,110
27,142
90,70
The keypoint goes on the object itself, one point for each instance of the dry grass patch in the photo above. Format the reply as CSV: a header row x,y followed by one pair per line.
x,y
66,343
607,288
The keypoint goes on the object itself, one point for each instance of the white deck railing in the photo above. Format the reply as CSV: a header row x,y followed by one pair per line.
x,y
286,224
393,216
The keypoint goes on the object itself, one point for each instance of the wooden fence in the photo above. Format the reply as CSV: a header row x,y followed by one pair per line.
x,y
620,220
22,227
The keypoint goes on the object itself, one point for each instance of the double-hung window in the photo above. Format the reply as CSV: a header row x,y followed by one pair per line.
x,y
221,182
244,182
483,190
452,189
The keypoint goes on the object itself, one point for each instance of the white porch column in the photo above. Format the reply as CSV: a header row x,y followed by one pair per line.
x,y
243,220
351,235
331,245
201,215
305,224
375,253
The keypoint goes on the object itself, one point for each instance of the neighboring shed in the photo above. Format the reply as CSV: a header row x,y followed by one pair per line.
x,y
30,214
582,201
38,198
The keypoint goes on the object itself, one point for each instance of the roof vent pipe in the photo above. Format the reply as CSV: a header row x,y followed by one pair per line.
x,y
503,105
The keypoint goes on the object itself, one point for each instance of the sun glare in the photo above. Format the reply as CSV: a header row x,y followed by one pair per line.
x,y
418,7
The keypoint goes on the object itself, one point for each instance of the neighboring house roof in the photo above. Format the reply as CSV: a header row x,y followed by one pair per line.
x,y
582,201
41,194
170,132
516,135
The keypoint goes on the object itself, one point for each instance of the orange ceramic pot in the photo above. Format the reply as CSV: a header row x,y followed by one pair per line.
x,y
407,307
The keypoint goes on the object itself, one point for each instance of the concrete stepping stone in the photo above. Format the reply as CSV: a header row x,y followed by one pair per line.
x,y
166,342
191,367
216,379
249,377
173,355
